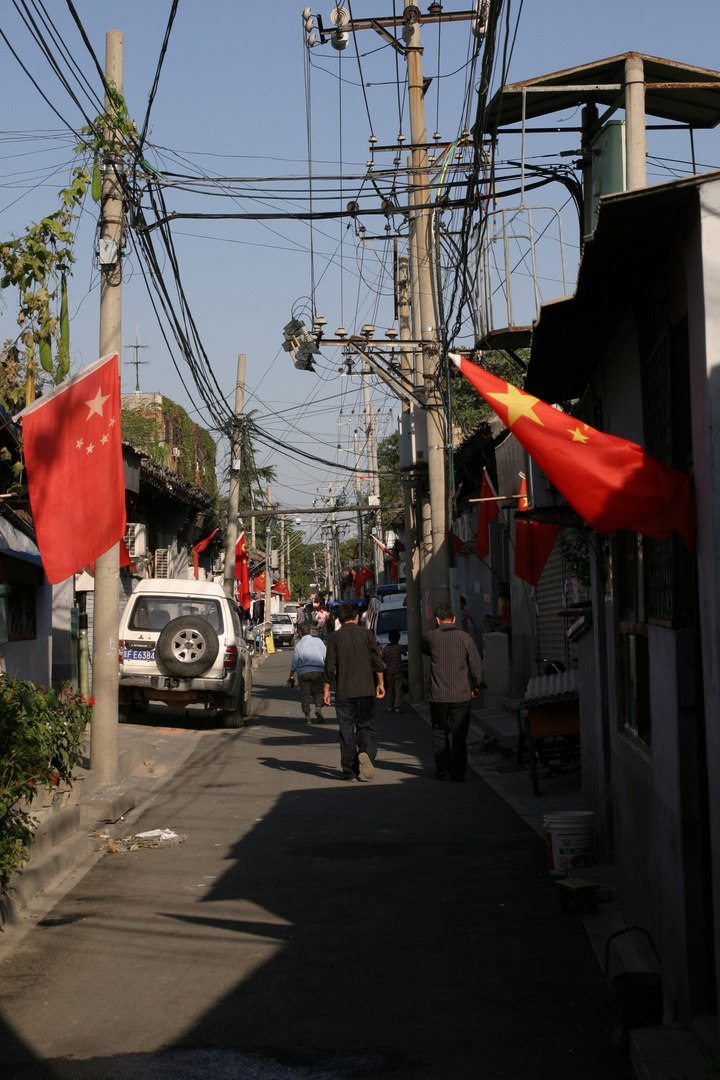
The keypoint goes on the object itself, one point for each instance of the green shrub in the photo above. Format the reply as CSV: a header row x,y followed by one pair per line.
x,y
41,739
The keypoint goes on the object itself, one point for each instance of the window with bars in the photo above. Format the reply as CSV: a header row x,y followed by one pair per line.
x,y
21,609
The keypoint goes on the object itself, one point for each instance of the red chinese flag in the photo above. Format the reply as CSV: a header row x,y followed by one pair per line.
x,y
489,510
610,482
533,543
364,574
73,459
259,583
200,546
281,589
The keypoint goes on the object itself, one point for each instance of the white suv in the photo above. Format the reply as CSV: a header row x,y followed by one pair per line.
x,y
181,642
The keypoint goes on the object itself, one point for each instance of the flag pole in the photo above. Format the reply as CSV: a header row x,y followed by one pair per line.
x,y
104,738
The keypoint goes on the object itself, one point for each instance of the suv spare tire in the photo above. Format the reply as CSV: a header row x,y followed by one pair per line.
x,y
188,646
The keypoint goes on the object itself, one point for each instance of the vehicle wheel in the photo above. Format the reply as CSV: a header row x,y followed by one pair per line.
x,y
188,646
124,708
233,718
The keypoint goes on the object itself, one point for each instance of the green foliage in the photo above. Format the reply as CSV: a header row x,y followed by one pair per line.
x,y
155,431
41,737
391,483
38,263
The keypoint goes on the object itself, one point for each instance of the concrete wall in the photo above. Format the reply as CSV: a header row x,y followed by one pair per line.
x,y
704,330
658,816
64,651
33,659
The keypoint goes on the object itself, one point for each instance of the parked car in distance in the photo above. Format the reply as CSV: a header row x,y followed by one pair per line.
x,y
283,629
181,643
291,609
385,614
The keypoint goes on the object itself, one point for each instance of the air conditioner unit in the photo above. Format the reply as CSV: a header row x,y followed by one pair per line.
x,y
162,563
136,539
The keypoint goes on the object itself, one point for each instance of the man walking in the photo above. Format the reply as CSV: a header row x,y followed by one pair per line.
x,y
354,659
309,663
455,678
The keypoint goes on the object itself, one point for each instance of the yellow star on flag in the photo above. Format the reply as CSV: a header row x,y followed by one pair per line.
x,y
577,435
96,404
518,404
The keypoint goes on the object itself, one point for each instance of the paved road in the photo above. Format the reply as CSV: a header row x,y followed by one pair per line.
x,y
313,929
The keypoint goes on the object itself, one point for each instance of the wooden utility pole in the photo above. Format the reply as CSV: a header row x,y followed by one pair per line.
x,y
234,494
104,742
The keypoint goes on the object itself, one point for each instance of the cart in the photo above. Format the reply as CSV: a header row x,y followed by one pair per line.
x,y
549,727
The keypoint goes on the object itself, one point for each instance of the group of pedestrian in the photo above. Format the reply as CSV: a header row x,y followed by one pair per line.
x,y
363,674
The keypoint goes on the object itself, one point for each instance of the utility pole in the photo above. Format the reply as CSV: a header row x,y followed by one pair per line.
x,y
635,121
438,585
282,547
361,539
287,566
268,554
234,494
413,521
374,499
104,742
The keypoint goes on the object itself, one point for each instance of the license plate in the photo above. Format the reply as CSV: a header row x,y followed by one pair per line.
x,y
138,654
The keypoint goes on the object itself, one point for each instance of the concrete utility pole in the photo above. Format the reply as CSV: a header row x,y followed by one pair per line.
x,y
282,547
104,742
358,493
412,522
438,585
635,122
374,499
268,554
234,495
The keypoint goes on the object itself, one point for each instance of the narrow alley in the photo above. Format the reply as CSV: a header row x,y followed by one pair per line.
x,y
310,928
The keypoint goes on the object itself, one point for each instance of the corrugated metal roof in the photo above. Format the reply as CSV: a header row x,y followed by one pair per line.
x,y
603,80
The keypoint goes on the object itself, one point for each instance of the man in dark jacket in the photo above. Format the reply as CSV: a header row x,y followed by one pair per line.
x,y
354,659
455,678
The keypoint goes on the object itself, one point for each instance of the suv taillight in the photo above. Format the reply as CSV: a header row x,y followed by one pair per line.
x,y
120,649
230,661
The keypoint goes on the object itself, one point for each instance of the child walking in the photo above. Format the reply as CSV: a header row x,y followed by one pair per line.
x,y
392,656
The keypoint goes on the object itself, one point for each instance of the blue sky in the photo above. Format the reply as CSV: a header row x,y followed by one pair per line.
x,y
231,102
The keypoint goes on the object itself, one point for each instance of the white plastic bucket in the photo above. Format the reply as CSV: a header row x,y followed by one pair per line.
x,y
571,840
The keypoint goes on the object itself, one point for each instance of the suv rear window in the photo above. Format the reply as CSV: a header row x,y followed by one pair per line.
x,y
155,612
394,619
